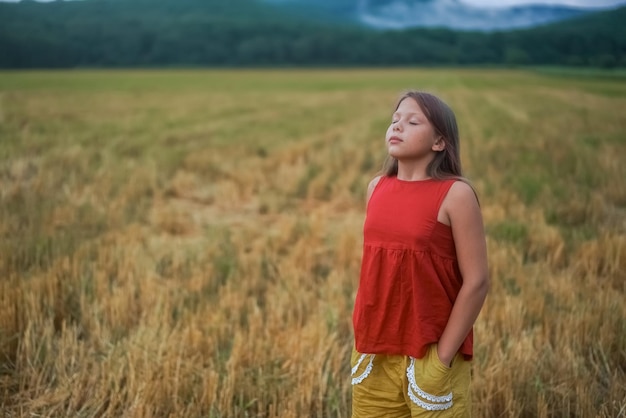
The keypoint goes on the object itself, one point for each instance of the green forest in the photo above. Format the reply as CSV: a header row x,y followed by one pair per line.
x,y
246,33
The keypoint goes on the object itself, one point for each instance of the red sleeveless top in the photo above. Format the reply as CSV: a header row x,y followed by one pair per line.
x,y
410,277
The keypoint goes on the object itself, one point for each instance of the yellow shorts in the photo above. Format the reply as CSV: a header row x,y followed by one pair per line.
x,y
401,386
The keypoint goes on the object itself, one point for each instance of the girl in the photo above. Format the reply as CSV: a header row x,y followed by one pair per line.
x,y
423,275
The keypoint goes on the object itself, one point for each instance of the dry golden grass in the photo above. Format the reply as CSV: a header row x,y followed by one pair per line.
x,y
187,244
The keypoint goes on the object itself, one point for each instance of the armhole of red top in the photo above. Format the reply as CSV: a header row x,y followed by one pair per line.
x,y
445,189
380,179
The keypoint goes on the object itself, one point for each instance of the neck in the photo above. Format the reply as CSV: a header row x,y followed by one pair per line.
x,y
412,171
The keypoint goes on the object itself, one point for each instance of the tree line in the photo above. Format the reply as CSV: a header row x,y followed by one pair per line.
x,y
142,33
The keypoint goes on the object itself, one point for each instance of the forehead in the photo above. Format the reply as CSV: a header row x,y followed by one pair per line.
x,y
409,105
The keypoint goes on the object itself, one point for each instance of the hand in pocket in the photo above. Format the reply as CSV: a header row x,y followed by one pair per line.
x,y
430,381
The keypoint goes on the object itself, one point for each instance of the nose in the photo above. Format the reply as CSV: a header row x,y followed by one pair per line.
x,y
397,126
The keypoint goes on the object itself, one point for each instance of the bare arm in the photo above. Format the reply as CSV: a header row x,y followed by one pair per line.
x,y
463,212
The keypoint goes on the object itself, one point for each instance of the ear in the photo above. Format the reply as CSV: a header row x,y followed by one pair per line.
x,y
439,144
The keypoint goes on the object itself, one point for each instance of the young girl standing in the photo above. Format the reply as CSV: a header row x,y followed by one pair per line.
x,y
423,275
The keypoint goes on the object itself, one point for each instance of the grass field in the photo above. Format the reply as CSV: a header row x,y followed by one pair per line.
x,y
187,243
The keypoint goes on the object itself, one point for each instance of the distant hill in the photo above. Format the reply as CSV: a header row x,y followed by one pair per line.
x,y
147,33
452,14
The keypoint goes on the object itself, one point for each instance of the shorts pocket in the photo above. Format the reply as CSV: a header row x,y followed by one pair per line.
x,y
430,382
361,365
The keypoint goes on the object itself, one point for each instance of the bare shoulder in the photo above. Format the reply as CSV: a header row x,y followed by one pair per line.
x,y
462,193
371,187
460,202
373,183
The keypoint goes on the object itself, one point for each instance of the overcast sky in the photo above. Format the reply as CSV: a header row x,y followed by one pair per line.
x,y
584,3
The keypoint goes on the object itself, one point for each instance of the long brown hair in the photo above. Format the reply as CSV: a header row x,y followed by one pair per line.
x,y
447,163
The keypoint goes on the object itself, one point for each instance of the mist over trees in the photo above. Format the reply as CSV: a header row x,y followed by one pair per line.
x,y
220,33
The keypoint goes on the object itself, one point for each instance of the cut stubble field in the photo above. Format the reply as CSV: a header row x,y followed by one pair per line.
x,y
187,243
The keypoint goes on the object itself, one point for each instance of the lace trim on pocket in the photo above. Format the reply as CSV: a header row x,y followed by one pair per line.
x,y
445,401
368,369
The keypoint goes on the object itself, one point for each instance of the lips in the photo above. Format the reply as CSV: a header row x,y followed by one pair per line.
x,y
394,139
